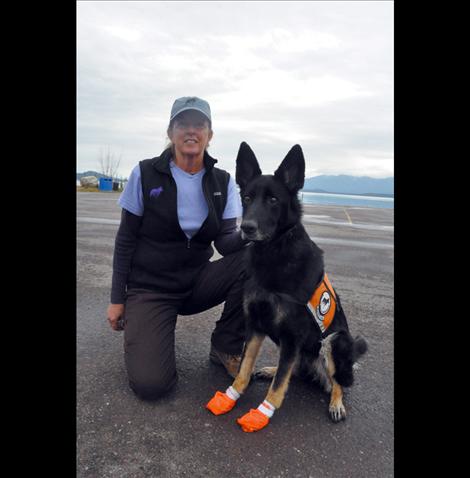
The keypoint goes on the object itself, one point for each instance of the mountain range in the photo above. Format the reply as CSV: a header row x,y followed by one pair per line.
x,y
91,173
344,184
340,184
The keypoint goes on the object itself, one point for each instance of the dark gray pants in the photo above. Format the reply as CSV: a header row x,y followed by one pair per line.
x,y
150,321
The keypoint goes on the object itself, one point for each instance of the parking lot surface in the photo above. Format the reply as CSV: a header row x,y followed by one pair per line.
x,y
119,435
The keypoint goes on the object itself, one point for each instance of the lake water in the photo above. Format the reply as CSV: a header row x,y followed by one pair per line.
x,y
341,199
346,200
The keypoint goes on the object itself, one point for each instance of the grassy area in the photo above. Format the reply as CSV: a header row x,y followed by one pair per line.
x,y
81,189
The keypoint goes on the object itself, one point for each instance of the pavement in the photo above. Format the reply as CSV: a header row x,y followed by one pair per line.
x,y
119,435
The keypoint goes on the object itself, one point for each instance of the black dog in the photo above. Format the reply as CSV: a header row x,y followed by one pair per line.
x,y
287,294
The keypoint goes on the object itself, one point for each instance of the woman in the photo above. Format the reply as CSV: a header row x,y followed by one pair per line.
x,y
173,207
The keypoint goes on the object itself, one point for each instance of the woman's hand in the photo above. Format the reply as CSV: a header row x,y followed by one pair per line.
x,y
115,312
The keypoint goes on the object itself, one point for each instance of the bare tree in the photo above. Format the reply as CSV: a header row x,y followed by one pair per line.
x,y
109,163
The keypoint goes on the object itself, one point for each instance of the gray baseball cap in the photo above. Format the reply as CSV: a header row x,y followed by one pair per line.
x,y
191,103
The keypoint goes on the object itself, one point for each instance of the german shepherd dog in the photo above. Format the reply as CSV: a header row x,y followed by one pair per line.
x,y
284,269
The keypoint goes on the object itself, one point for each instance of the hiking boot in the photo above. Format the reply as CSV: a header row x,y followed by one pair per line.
x,y
230,362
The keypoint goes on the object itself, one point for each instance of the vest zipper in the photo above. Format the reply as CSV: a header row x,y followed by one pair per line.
x,y
188,243
172,179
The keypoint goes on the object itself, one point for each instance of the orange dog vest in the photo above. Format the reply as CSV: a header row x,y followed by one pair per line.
x,y
322,304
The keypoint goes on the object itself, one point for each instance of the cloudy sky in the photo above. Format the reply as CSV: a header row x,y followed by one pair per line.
x,y
316,73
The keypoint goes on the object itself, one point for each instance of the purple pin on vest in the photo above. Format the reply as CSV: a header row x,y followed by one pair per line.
x,y
154,193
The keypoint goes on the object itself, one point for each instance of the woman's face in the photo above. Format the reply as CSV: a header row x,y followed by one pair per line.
x,y
190,133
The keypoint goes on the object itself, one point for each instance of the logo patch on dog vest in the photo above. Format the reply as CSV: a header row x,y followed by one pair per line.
x,y
322,304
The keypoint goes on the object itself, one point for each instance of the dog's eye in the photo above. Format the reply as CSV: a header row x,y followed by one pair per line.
x,y
246,199
273,200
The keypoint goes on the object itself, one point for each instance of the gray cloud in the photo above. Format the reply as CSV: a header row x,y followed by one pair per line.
x,y
275,73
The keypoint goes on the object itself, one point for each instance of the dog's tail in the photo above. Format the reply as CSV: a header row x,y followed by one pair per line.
x,y
360,347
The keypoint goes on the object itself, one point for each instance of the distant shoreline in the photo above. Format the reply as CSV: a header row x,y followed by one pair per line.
x,y
321,191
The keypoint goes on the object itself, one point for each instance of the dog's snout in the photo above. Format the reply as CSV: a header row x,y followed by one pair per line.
x,y
249,227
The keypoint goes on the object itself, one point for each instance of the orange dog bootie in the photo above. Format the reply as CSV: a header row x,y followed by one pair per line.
x,y
257,419
223,402
253,421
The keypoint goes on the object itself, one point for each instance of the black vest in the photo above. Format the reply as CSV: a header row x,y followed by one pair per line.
x,y
165,259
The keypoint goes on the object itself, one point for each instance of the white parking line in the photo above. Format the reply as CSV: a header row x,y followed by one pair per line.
x,y
346,242
371,227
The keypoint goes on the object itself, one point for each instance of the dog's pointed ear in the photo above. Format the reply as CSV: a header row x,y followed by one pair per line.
x,y
291,171
247,165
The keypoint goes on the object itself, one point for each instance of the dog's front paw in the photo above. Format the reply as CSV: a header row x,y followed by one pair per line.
x,y
253,421
337,412
265,373
220,403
